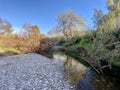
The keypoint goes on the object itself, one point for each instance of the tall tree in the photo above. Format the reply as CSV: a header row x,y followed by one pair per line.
x,y
114,11
98,15
103,22
68,22
35,34
32,35
109,21
110,5
5,27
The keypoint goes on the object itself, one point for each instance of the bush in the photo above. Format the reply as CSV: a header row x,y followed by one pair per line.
x,y
117,34
73,41
86,39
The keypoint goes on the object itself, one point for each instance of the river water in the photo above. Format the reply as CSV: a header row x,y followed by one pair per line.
x,y
82,76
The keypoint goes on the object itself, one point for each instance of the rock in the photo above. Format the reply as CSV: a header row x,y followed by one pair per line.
x,y
31,72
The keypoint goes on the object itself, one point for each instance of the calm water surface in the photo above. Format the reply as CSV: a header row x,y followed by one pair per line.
x,y
82,76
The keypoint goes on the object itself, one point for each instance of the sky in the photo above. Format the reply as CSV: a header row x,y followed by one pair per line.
x,y
43,13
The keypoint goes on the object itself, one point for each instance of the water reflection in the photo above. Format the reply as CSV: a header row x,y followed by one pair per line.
x,y
81,76
72,69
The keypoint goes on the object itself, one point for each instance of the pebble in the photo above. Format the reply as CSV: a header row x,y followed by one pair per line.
x,y
31,72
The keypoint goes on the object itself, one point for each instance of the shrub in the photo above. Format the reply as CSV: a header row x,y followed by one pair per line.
x,y
73,41
117,34
86,39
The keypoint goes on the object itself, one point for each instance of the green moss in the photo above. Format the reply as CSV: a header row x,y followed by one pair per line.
x,y
116,63
75,46
72,41
87,46
86,38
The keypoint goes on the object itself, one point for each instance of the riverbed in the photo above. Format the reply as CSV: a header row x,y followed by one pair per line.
x,y
32,72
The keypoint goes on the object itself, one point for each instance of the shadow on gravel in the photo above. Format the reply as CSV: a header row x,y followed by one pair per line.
x,y
8,53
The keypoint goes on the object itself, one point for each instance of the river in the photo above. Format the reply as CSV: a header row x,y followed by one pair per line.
x,y
82,76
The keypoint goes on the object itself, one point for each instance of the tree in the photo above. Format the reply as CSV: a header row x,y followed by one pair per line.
x,y
5,27
35,36
110,5
103,22
32,36
68,22
114,11
97,18
109,21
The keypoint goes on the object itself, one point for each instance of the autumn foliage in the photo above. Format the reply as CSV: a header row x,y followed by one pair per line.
x,y
27,40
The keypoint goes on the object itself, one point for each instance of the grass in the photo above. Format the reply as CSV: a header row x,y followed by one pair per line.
x,y
8,51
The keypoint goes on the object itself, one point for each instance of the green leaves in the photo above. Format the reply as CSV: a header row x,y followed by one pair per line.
x,y
117,34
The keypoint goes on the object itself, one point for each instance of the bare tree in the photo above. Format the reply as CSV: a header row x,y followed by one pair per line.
x,y
69,22
5,27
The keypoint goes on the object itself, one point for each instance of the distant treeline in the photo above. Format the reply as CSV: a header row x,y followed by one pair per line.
x,y
26,40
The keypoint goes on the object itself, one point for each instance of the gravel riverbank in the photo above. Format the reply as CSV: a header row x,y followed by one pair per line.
x,y
32,72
